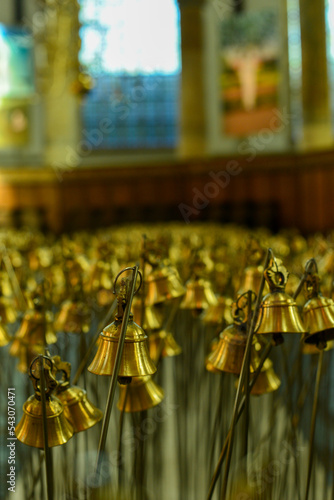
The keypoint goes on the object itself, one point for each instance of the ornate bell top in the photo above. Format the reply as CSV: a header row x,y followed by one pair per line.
x,y
134,332
234,334
33,407
312,286
276,276
35,376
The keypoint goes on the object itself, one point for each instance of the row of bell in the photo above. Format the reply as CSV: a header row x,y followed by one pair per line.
x,y
68,411
227,355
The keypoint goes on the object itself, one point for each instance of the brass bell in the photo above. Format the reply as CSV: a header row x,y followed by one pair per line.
x,y
4,336
251,279
313,349
318,314
152,318
199,295
74,317
218,313
140,395
162,344
278,311
7,310
30,428
78,410
229,352
267,380
208,365
26,355
163,283
36,329
136,361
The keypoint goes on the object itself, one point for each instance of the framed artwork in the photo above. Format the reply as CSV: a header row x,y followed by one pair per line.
x,y
246,81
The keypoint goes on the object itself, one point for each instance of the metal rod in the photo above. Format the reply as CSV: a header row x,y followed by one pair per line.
x,y
113,381
92,344
246,384
47,451
242,378
313,423
120,442
308,265
216,474
143,265
13,278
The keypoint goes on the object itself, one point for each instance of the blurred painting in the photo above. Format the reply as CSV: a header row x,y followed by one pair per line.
x,y
16,85
249,79
16,63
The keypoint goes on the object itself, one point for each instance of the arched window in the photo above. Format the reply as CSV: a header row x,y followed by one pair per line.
x,y
132,50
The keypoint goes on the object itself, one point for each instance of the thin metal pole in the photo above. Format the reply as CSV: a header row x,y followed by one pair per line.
x,y
246,384
313,423
308,265
13,278
242,378
216,474
113,382
120,442
92,344
47,451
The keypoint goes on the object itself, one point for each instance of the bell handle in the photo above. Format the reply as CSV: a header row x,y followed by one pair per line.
x,y
65,368
237,317
123,271
51,382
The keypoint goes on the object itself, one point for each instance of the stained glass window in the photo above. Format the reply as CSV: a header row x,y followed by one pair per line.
x,y
132,50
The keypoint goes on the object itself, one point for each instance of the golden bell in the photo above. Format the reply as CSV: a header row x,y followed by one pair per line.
x,y
140,395
30,428
163,283
318,314
313,349
228,354
78,410
267,380
4,336
162,344
278,312
74,317
199,295
208,365
36,329
7,310
135,362
218,313
251,279
152,318
27,354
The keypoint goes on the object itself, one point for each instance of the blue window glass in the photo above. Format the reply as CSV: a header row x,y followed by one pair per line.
x,y
132,50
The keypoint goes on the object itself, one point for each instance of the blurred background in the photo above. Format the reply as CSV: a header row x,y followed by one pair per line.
x,y
206,125
117,111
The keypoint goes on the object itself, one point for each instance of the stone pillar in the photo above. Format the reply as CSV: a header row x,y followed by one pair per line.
x,y
57,47
317,131
193,119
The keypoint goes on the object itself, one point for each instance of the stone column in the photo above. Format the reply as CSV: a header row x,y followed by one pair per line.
x,y
193,126
317,131
57,48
